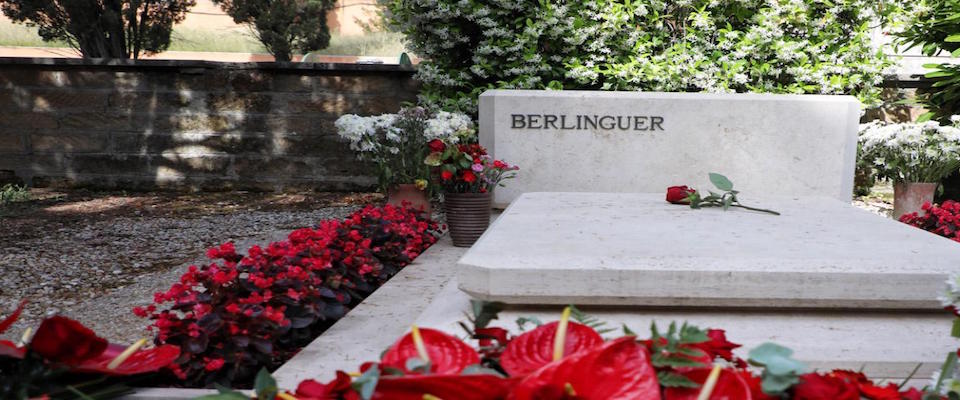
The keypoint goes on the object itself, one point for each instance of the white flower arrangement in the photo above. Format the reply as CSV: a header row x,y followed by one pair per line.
x,y
911,152
397,143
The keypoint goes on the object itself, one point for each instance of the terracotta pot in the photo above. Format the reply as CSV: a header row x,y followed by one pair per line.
x,y
468,216
909,197
409,195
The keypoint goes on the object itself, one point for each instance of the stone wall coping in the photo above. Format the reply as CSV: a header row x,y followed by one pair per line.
x,y
124,64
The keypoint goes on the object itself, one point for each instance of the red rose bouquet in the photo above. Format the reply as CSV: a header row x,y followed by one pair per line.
x,y
467,168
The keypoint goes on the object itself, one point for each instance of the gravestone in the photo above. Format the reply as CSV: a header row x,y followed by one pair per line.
x,y
594,141
628,249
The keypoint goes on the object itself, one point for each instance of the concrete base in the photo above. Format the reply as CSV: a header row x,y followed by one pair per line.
x,y
637,249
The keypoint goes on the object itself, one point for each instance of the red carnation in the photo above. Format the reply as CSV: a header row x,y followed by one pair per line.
x,y
436,145
64,340
446,175
814,386
718,345
679,194
469,176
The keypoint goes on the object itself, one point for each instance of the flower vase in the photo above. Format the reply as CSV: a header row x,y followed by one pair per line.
x,y
468,216
908,197
409,195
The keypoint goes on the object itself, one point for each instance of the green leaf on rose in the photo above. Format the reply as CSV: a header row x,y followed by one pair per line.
x,y
721,182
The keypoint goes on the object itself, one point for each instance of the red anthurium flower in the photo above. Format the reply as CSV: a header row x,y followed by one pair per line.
x,y
530,351
64,340
678,194
448,355
731,385
436,145
874,392
140,362
912,394
815,386
446,387
718,345
617,370
446,175
337,389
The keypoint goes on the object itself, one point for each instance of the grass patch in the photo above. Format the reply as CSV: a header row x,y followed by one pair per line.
x,y
234,40
13,193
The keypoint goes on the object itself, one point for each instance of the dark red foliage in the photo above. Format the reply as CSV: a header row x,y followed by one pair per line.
x,y
943,219
241,313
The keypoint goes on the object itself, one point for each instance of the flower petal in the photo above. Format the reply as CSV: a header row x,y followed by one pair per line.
x,y
142,361
532,350
459,387
617,370
448,355
730,386
10,319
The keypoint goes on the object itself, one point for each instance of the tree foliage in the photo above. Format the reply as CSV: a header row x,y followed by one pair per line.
x,y
780,46
102,28
284,26
934,26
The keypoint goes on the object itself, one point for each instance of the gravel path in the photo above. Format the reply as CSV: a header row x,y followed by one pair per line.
x,y
96,258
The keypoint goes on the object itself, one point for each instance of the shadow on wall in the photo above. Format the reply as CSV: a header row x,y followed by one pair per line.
x,y
188,125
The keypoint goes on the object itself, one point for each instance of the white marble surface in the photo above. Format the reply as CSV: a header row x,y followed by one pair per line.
x,y
786,144
885,345
637,249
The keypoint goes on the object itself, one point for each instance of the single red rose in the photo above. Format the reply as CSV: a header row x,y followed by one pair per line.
x,y
815,386
10,319
499,164
446,175
337,389
731,385
459,387
679,194
718,345
532,350
617,370
448,355
469,176
66,341
436,145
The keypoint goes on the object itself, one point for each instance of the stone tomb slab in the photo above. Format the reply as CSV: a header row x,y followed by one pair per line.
x,y
637,249
603,141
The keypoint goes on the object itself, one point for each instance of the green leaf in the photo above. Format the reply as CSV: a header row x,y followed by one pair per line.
x,y
926,116
670,379
477,369
522,321
367,383
776,359
417,364
954,38
264,385
955,332
627,331
484,312
776,384
721,182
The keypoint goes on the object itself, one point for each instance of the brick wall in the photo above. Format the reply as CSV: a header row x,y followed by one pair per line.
x,y
186,124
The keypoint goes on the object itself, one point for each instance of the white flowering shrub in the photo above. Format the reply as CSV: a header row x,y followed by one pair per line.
x,y
911,152
777,46
397,143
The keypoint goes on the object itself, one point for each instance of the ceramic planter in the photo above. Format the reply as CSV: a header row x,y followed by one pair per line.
x,y
909,197
410,195
468,216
